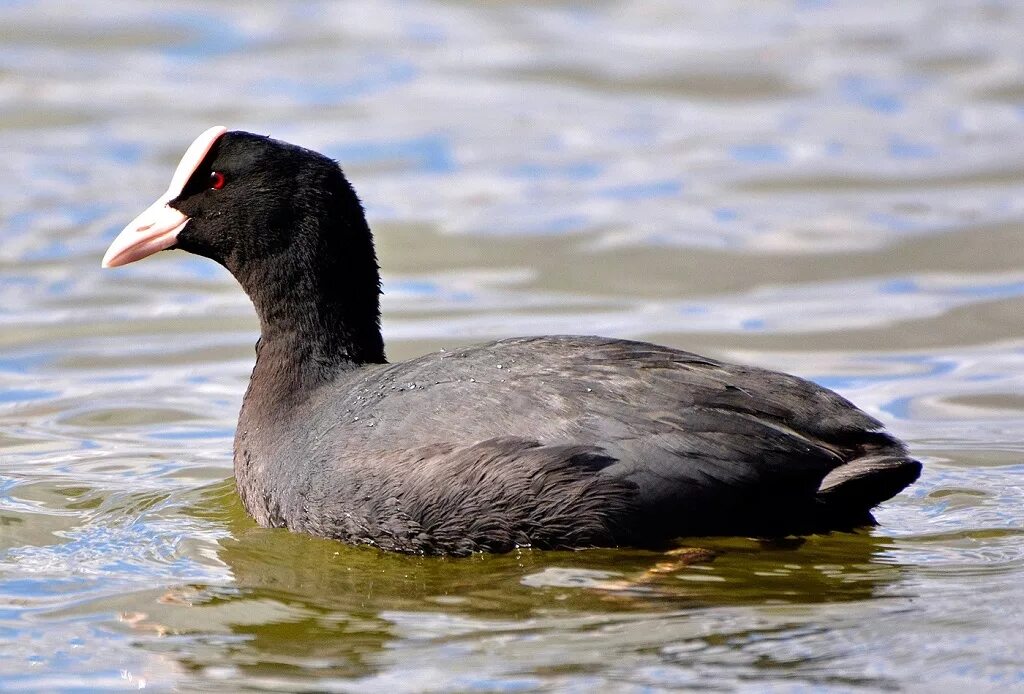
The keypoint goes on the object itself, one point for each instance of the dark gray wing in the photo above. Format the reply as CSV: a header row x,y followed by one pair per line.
x,y
492,495
646,442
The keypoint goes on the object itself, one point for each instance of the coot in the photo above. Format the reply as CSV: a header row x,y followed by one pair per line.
x,y
550,442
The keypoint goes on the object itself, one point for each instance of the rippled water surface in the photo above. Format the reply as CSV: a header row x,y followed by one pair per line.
x,y
834,189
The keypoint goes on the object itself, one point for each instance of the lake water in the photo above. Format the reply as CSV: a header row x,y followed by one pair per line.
x,y
830,188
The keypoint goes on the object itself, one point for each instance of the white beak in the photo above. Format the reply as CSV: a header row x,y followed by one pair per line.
x,y
158,226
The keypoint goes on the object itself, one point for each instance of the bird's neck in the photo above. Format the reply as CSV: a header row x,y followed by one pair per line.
x,y
319,310
305,343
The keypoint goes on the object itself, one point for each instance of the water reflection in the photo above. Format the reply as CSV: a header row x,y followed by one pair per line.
x,y
296,603
736,572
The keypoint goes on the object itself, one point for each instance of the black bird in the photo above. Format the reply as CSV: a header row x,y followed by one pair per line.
x,y
550,442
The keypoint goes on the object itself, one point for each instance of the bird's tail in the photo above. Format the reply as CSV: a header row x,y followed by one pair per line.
x,y
853,489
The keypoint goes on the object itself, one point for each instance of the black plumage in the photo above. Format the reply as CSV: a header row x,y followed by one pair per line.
x,y
553,442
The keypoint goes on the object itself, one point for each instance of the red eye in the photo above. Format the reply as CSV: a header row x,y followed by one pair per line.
x,y
216,180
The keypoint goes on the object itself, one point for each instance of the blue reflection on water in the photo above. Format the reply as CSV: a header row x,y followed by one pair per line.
x,y
642,191
872,95
933,366
919,366
903,148
35,587
428,154
23,394
576,171
898,408
21,221
190,265
417,287
988,291
381,77
424,33
186,434
992,291
558,225
123,152
53,250
891,221
21,364
899,286
206,36
834,148
765,153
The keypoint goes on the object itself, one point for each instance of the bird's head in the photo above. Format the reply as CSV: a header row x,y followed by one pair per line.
x,y
284,221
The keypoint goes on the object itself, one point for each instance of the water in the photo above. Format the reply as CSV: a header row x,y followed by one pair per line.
x,y
834,189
